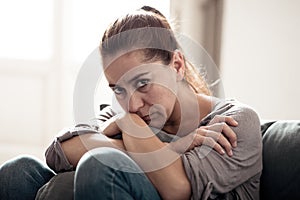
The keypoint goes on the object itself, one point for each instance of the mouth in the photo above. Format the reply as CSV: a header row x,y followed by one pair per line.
x,y
147,118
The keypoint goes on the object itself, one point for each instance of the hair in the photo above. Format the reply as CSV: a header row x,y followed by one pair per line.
x,y
148,31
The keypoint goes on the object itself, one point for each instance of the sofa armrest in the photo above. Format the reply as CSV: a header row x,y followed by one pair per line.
x,y
281,160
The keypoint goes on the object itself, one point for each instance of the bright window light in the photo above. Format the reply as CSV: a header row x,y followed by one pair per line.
x,y
26,29
91,17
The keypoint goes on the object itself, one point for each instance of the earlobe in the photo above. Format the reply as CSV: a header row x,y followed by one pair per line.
x,y
180,74
179,64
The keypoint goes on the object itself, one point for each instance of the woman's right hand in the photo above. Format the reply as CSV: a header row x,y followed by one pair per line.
x,y
110,127
217,134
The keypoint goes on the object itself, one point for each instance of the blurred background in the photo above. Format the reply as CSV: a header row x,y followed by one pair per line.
x,y
255,45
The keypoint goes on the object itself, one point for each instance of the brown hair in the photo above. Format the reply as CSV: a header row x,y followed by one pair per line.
x,y
147,30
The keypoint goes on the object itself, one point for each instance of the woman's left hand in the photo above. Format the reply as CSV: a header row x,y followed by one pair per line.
x,y
217,135
110,127
132,124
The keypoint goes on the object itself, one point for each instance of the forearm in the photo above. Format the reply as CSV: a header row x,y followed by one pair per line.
x,y
162,166
76,147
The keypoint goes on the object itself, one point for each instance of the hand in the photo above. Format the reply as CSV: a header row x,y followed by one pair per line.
x,y
110,127
217,135
130,123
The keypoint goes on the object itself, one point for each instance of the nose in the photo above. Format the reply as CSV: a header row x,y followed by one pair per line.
x,y
136,102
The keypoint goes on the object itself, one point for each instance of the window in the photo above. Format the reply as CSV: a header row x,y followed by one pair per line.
x,y
26,29
90,18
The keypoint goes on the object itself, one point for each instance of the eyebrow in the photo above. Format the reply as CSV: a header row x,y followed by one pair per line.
x,y
131,80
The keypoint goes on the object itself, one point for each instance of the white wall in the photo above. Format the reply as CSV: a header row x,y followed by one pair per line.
x,y
42,47
260,55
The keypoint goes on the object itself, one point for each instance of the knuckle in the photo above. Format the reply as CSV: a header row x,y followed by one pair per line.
x,y
227,146
196,137
220,137
218,147
234,137
210,141
222,118
197,140
217,116
223,126
202,132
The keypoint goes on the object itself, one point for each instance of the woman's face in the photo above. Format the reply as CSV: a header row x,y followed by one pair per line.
x,y
146,89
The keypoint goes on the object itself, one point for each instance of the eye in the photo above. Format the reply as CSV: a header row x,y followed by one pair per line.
x,y
118,90
142,84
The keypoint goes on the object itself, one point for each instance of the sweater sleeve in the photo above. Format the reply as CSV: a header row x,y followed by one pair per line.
x,y
55,156
215,176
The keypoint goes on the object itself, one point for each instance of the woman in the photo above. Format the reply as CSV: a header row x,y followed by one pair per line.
x,y
174,141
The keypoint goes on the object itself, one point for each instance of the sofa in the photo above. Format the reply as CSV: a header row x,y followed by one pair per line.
x,y
281,160
281,166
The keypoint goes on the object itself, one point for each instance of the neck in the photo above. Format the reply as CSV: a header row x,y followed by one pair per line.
x,y
190,108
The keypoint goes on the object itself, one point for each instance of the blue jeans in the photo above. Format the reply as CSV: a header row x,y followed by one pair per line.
x,y
107,173
103,173
22,177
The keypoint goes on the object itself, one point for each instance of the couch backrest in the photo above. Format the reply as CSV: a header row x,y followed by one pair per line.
x,y
281,160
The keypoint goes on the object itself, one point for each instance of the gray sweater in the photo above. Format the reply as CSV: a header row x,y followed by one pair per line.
x,y
215,176
212,176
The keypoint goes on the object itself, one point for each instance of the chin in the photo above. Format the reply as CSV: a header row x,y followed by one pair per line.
x,y
158,123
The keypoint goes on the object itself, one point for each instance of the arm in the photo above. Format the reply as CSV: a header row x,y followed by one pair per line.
x,y
61,154
207,169
218,135
86,142
174,172
163,166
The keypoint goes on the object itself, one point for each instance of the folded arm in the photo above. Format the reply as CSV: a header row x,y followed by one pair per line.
x,y
163,166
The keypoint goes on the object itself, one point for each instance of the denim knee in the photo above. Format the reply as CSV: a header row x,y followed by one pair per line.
x,y
106,157
19,166
95,175
22,176
107,173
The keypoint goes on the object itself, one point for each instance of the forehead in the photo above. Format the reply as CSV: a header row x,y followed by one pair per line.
x,y
122,64
128,66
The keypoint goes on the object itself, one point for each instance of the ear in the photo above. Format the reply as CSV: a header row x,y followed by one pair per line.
x,y
178,64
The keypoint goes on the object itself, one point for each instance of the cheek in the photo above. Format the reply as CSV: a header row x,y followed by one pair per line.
x,y
162,96
123,104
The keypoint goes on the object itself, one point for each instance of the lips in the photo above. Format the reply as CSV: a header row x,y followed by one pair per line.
x,y
146,118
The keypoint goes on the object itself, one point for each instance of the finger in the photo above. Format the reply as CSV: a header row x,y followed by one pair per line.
x,y
230,134
210,142
188,142
218,119
221,118
226,130
221,140
231,121
219,149
211,131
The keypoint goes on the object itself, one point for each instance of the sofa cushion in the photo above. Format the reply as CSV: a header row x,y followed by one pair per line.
x,y
281,160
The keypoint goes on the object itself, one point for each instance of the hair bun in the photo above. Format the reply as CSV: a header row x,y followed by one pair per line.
x,y
153,10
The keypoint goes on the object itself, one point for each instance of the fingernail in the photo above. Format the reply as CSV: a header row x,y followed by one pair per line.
x,y
222,151
230,153
234,144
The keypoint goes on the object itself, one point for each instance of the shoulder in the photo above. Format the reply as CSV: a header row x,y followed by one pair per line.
x,y
244,112
249,129
206,167
239,111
